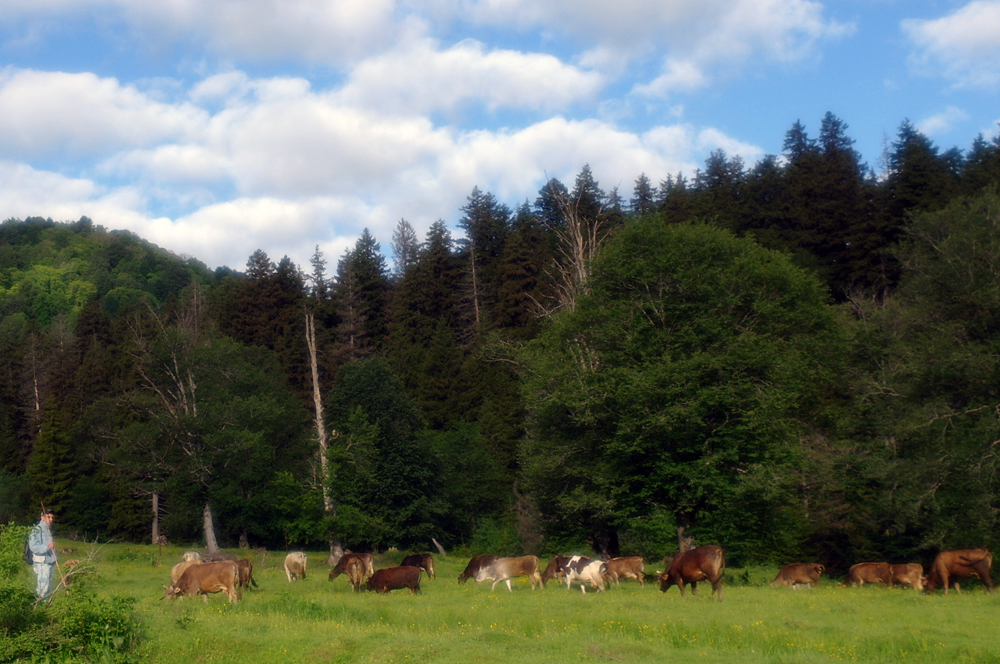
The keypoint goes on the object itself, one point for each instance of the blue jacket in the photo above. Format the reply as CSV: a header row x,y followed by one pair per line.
x,y
38,542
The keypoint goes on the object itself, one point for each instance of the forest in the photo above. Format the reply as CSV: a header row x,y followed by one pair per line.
x,y
795,359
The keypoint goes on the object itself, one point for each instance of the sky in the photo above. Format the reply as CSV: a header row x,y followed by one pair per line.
x,y
216,128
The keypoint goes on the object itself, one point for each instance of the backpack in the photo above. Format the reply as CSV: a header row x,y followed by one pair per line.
x,y
29,557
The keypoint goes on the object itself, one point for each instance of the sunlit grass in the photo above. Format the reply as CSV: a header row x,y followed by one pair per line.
x,y
319,621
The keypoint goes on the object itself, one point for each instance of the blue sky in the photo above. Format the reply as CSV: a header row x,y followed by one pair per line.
x,y
217,128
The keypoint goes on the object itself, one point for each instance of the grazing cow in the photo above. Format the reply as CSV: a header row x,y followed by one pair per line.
x,y
698,564
555,569
245,569
863,573
356,566
295,566
206,578
799,574
585,570
505,569
960,565
633,567
392,578
180,568
474,566
191,555
424,561
909,574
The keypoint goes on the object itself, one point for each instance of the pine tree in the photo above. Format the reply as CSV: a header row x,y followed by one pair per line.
x,y
405,249
643,197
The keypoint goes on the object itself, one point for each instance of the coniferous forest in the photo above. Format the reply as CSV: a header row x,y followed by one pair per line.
x,y
795,359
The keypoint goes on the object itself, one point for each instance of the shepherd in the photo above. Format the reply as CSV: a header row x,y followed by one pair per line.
x,y
43,553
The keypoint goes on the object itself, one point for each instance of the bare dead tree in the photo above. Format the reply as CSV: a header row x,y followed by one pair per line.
x,y
329,506
580,237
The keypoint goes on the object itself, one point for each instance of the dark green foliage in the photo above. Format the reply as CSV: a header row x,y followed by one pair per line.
x,y
384,471
929,387
683,382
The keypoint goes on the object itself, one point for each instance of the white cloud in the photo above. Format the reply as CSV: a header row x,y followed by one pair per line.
x,y
48,113
328,31
26,192
942,123
963,46
419,77
280,166
696,38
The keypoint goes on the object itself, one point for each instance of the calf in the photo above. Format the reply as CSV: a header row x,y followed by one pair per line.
x,y
295,566
909,574
555,569
392,578
204,579
245,569
585,570
424,561
633,567
961,564
478,562
799,574
698,564
863,573
505,569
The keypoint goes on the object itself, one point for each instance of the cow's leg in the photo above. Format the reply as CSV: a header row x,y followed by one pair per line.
x,y
694,587
717,589
958,588
509,589
680,584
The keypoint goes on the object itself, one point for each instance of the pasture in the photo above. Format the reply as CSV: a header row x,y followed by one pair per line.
x,y
319,621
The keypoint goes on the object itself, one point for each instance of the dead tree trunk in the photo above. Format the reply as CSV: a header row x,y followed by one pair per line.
x,y
211,545
329,506
156,518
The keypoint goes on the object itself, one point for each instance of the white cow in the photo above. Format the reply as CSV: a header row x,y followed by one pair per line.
x,y
585,571
295,566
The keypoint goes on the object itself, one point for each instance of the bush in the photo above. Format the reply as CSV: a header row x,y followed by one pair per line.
x,y
12,539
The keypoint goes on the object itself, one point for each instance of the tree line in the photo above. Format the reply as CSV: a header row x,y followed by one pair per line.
x,y
795,358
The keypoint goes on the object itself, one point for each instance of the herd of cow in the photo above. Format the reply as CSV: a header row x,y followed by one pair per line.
x,y
193,576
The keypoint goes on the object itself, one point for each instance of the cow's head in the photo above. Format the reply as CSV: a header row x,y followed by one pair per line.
x,y
483,573
171,592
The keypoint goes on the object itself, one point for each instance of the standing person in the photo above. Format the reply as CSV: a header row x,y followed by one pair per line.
x,y
43,550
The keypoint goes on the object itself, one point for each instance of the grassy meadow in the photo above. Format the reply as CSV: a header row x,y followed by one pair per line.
x,y
319,621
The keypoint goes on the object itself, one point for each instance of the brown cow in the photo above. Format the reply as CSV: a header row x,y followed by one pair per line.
x,y
245,568
180,568
698,564
799,574
392,578
863,573
207,578
344,566
505,569
474,566
295,566
909,574
424,561
556,569
960,565
633,567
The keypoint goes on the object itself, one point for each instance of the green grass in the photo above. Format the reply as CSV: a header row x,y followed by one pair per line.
x,y
319,621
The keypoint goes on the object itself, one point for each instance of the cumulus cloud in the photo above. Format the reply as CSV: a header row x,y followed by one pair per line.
x,y
420,77
962,46
47,113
